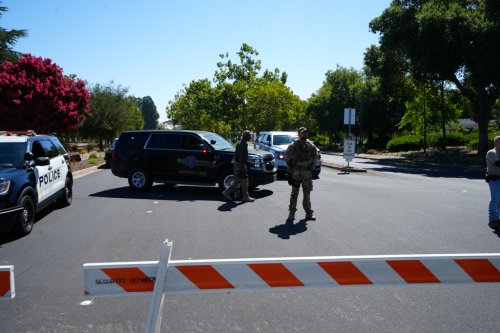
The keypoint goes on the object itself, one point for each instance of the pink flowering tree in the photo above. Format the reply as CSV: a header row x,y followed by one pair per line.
x,y
34,94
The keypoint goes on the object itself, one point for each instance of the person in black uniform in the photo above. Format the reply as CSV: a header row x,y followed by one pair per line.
x,y
240,169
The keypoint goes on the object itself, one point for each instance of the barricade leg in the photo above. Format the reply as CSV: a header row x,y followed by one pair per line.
x,y
155,310
7,289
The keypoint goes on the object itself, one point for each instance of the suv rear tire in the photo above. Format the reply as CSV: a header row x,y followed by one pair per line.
x,y
25,218
139,180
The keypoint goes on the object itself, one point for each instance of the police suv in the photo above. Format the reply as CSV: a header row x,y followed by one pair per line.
x,y
183,157
276,143
35,171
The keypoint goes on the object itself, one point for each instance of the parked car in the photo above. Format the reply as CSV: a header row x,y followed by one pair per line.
x,y
183,157
35,171
276,143
109,153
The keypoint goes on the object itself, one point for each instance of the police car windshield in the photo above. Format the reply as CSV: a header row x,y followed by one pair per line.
x,y
12,154
284,139
220,142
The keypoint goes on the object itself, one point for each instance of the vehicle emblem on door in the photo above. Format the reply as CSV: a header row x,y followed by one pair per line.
x,y
190,161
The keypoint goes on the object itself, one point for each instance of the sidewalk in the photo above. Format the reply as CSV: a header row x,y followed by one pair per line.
x,y
453,161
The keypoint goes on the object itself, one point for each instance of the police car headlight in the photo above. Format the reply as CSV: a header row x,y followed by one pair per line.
x,y
256,162
279,156
4,186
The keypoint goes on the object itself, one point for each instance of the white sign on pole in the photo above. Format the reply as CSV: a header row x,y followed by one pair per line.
x,y
349,149
349,116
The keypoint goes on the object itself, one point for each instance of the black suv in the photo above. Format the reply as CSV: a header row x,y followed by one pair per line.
x,y
35,171
183,157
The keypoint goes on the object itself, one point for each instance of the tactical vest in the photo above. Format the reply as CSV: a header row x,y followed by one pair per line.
x,y
302,152
239,152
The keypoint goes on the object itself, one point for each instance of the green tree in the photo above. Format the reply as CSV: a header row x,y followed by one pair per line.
x,y
341,89
456,41
242,98
196,108
238,84
8,38
149,112
112,111
424,111
389,86
273,106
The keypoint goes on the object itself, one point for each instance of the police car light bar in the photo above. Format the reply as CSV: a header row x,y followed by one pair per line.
x,y
21,132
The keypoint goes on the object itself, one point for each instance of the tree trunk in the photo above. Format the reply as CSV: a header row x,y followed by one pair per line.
x,y
482,111
443,115
101,146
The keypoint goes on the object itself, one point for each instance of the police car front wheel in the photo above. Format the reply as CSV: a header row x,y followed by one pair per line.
x,y
67,197
26,217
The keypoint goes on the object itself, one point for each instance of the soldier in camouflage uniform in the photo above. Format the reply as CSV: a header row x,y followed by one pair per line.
x,y
300,159
240,169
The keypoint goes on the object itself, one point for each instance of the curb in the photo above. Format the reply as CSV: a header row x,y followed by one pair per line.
x,y
86,171
342,167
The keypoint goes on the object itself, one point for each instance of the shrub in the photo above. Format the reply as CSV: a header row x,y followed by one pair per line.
x,y
93,156
405,143
377,143
320,140
83,151
74,148
473,143
92,160
452,139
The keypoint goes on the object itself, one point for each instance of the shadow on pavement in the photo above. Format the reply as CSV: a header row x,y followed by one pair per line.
x,y
174,193
229,205
426,169
284,231
7,236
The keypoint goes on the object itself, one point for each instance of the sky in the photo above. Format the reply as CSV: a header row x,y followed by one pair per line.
x,y
156,47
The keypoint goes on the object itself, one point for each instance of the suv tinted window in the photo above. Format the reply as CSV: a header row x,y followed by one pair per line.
x,y
163,141
190,142
217,141
133,140
12,154
49,149
59,146
37,149
261,138
284,139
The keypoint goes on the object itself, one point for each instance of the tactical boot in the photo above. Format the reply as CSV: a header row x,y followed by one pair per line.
x,y
494,224
248,199
227,196
291,216
310,216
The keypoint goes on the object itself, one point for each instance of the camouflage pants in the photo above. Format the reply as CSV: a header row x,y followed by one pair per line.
x,y
303,177
238,181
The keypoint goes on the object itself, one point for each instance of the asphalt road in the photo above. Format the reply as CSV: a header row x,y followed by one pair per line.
x,y
390,211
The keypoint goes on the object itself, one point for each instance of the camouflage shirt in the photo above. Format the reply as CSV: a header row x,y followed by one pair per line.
x,y
241,152
301,155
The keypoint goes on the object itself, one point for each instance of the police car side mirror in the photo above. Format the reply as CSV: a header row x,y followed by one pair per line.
x,y
42,161
29,156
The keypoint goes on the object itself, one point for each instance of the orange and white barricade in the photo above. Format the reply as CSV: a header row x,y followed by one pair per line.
x,y
271,274
7,290
228,275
